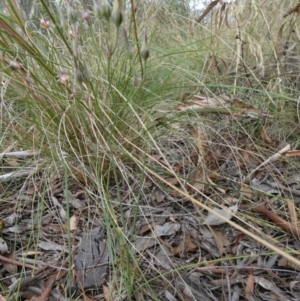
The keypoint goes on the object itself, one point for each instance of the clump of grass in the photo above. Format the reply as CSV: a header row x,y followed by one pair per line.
x,y
86,101
77,80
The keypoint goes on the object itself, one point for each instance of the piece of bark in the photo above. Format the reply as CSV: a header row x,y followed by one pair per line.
x,y
91,261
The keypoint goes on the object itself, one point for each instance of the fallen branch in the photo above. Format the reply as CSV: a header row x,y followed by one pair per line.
x,y
280,222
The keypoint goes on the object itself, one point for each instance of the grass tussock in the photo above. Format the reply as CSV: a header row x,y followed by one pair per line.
x,y
136,112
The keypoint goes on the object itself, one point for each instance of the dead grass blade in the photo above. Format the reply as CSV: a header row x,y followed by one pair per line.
x,y
292,212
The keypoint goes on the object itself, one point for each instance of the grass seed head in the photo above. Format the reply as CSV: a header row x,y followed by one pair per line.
x,y
109,51
117,14
106,9
127,44
81,72
63,78
102,10
86,75
72,33
86,16
79,75
145,53
15,65
97,9
45,23
137,80
72,14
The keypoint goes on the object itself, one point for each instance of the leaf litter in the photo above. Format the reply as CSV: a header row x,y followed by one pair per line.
x,y
202,257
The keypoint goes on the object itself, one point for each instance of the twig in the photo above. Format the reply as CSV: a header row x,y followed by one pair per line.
x,y
208,9
16,262
295,9
288,227
273,158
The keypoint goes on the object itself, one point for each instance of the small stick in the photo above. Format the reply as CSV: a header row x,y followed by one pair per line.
x,y
16,262
283,224
273,158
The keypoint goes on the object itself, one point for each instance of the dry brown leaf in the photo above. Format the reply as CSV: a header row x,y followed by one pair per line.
x,y
265,136
246,191
147,227
245,157
73,223
12,162
283,262
265,283
197,180
159,197
231,200
207,102
221,190
10,267
249,285
2,298
198,176
106,293
221,240
173,181
292,285
172,219
200,103
185,246
236,241
248,110
200,141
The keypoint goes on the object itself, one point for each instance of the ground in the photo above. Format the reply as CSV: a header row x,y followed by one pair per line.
x,y
179,251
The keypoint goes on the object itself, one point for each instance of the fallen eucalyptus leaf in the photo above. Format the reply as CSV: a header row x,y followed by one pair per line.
x,y
213,220
3,246
166,229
